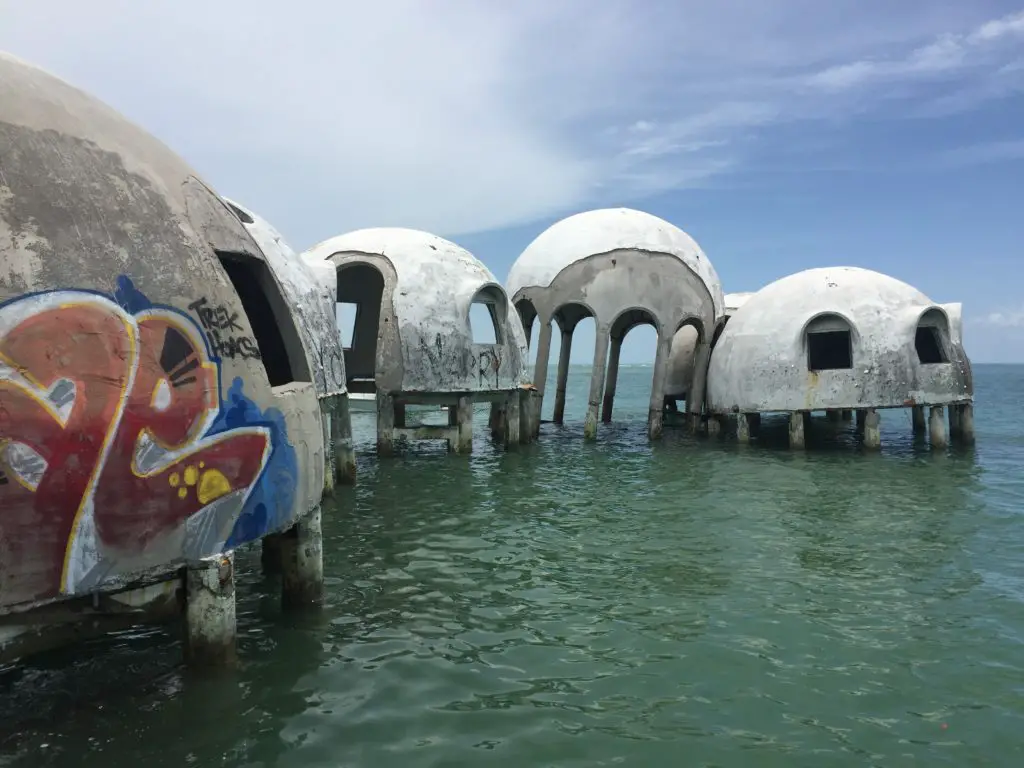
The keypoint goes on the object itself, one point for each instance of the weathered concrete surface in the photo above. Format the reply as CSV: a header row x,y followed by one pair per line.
x,y
210,628
761,364
422,336
623,268
139,425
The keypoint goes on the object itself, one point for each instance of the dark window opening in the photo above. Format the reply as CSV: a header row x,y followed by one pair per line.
x,y
930,349
829,350
275,339
483,323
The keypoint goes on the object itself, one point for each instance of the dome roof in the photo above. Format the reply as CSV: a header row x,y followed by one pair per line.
x,y
600,231
760,361
410,251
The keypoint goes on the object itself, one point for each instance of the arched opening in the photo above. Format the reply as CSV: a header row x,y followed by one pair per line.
x,y
829,343
487,316
360,295
682,363
275,339
931,339
528,316
637,358
573,347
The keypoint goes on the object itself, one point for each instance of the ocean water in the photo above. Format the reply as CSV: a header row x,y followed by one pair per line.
x,y
691,602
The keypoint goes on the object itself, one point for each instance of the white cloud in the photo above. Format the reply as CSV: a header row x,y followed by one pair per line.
x,y
1008,318
463,116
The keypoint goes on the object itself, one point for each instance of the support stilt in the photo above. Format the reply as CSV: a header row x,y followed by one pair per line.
x,y
937,427
797,435
917,417
385,424
302,560
562,376
872,429
210,627
611,380
596,384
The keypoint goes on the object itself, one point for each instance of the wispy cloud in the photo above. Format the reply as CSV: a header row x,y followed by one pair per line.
x,y
988,152
1007,318
462,116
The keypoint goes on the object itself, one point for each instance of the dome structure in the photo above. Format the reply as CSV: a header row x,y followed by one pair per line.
x,y
839,338
427,286
623,268
176,374
431,325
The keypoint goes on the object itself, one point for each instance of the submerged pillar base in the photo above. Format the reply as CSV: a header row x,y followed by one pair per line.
x,y
937,428
966,419
460,416
918,419
742,428
872,429
302,561
342,443
210,628
797,431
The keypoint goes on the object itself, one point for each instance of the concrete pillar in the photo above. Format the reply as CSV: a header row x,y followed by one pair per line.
x,y
954,421
872,429
596,383
917,417
796,430
529,415
496,422
460,416
742,428
861,416
210,627
302,560
937,427
540,373
714,425
966,419
399,418
611,380
656,408
385,424
695,395
270,555
342,443
562,376
512,423
834,415
847,414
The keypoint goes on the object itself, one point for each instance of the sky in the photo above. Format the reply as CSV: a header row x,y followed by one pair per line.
x,y
780,134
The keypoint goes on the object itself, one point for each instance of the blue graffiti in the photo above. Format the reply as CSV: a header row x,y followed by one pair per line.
x,y
269,505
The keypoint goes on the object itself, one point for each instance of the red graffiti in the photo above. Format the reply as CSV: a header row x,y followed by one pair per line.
x,y
103,453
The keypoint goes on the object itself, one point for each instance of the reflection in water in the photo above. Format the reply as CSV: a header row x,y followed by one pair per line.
x,y
608,603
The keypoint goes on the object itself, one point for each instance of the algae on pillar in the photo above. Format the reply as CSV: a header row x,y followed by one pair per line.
x,y
210,623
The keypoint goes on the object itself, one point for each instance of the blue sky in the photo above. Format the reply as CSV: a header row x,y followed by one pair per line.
x,y
782,134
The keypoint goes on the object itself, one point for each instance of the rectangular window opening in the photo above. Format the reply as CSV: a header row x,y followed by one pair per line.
x,y
483,323
346,315
829,350
930,349
275,339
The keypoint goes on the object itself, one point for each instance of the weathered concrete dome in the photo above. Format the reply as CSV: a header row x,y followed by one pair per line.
x,y
602,231
423,286
840,337
139,320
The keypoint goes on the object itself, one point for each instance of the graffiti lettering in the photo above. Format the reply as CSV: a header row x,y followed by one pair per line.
x,y
220,323
114,453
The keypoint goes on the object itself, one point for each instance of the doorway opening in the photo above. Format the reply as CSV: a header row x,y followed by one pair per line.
x,y
359,300
930,338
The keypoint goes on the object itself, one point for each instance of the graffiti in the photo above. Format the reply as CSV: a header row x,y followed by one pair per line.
x,y
116,450
220,324
488,366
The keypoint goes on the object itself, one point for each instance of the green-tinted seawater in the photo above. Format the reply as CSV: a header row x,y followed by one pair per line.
x,y
689,602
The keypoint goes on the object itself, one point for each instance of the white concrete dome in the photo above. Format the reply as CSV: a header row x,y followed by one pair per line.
x,y
601,231
765,357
